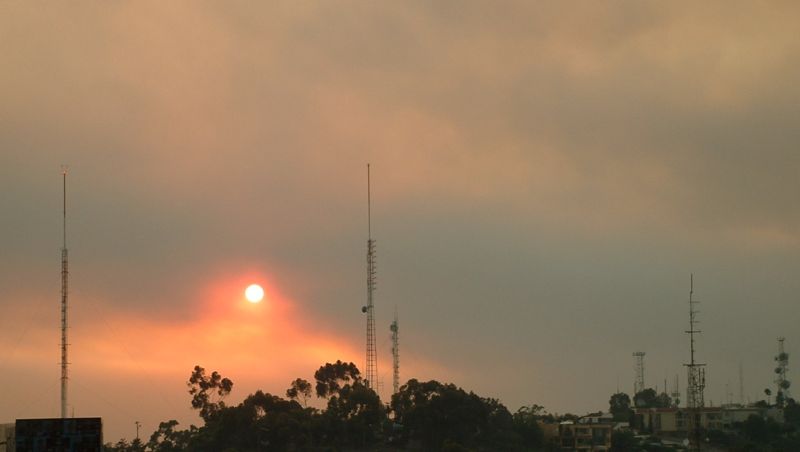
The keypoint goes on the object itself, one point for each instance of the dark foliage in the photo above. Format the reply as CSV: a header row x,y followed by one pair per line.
x,y
299,389
624,441
792,413
526,425
354,416
331,377
620,406
261,422
761,434
440,415
648,398
426,415
208,391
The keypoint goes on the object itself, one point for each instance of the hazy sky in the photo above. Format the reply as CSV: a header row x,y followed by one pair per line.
x,y
546,175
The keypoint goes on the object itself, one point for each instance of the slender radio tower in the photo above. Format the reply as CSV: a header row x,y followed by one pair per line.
x,y
395,328
64,293
369,309
638,365
696,376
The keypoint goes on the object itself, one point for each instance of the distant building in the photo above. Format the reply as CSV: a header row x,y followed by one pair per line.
x,y
676,419
59,434
589,433
7,438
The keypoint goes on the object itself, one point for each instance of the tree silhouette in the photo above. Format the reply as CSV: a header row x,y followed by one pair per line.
x,y
526,424
620,406
299,389
436,414
429,414
167,439
649,399
331,377
208,391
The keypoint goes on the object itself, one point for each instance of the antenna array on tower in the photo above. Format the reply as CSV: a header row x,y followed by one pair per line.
x,y
782,358
696,375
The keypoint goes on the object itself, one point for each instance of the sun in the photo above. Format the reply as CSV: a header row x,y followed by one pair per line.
x,y
254,293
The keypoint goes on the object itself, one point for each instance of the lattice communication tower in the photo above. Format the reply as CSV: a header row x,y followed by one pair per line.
x,y
371,367
782,358
638,367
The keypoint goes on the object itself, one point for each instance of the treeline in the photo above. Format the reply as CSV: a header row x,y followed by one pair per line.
x,y
422,416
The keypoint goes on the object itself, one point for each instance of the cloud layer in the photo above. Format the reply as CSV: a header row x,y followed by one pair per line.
x,y
546,176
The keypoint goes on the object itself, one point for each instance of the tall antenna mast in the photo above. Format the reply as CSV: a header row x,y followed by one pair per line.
x,y
696,376
395,328
64,293
369,309
638,365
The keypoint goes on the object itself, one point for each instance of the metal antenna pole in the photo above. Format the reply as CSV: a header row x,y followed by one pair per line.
x,y
369,309
696,376
64,293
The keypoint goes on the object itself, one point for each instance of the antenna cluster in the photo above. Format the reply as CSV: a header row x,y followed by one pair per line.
x,y
782,358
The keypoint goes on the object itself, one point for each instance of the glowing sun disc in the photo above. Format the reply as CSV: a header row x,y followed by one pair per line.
x,y
254,293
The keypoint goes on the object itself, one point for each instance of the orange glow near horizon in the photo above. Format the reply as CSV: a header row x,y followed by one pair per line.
x,y
260,346
226,332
